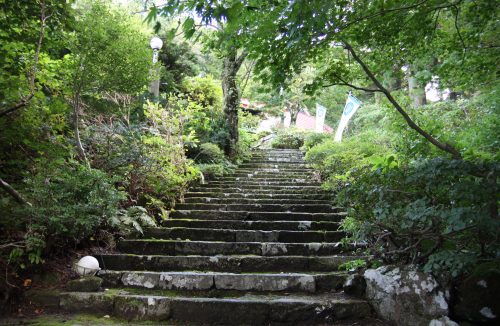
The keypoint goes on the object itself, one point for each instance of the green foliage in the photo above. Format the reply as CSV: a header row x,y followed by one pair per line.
x,y
216,170
337,162
134,217
108,52
289,138
203,119
472,124
248,136
353,265
314,139
70,201
436,212
69,204
210,153
149,157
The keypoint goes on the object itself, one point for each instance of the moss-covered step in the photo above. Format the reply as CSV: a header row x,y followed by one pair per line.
x,y
244,310
262,183
225,200
253,225
307,208
271,173
260,189
198,281
242,235
210,248
266,179
259,195
223,263
257,216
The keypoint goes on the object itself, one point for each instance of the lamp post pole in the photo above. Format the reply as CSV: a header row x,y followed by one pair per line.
x,y
156,44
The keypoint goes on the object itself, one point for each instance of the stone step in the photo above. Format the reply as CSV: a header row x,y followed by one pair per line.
x,y
281,161
227,235
245,309
280,166
257,189
256,216
245,186
287,160
257,178
223,263
273,172
259,195
276,159
202,281
253,225
308,208
261,184
226,200
210,248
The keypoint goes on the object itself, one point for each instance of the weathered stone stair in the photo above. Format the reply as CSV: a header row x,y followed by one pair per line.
x,y
258,247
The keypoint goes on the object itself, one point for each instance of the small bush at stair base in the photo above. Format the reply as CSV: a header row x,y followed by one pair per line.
x,y
289,139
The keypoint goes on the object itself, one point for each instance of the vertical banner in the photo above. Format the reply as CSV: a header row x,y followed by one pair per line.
x,y
320,117
352,104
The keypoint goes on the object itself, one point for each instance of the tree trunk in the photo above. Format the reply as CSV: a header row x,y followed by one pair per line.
x,y
416,90
76,125
232,63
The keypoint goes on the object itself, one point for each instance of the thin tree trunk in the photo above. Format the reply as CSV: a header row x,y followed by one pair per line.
x,y
76,125
232,63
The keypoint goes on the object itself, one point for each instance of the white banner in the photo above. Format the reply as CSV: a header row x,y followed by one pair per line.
x,y
320,117
351,106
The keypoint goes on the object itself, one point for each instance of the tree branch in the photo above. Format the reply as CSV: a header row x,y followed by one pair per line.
x,y
13,192
239,60
344,83
442,146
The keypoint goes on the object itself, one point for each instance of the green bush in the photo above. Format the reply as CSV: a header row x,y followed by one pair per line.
x,y
289,139
148,158
210,153
436,212
216,170
70,202
314,139
337,161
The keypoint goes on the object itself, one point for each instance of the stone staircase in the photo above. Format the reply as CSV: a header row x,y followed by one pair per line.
x,y
258,247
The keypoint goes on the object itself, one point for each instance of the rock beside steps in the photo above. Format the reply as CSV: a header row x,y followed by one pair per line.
x,y
257,247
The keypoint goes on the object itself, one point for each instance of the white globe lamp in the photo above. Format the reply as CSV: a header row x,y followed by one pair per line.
x,y
88,265
156,43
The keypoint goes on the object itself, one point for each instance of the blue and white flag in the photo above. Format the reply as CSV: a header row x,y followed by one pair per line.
x,y
351,106
320,117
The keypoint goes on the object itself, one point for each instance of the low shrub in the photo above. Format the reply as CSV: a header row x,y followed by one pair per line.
x,y
290,138
209,153
438,212
69,203
314,139
216,170
337,161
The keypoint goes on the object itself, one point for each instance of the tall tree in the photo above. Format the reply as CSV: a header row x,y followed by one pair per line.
x,y
109,53
226,20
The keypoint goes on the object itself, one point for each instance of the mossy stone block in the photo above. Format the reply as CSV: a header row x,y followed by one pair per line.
x,y
85,284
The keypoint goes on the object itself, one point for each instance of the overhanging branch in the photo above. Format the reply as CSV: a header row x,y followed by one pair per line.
x,y
442,146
